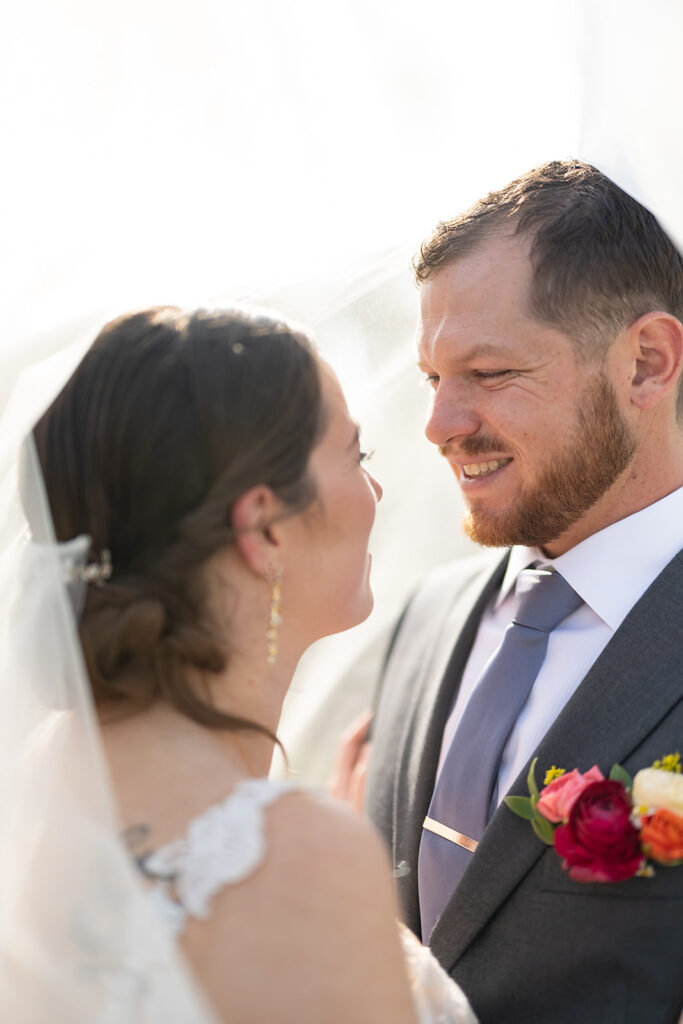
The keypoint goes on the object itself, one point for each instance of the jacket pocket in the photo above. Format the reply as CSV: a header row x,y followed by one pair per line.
x,y
667,883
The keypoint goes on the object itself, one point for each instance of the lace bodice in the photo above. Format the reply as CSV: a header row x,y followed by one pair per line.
x,y
225,844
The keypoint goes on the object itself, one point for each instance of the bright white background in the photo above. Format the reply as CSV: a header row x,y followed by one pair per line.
x,y
295,153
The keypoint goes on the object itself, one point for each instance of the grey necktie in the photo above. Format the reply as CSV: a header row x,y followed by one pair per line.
x,y
461,803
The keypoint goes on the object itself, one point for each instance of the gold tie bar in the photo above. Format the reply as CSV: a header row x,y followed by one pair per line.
x,y
449,833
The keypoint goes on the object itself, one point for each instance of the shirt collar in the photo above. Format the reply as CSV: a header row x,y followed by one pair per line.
x,y
613,568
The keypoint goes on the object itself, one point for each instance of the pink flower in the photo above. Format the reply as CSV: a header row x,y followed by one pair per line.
x,y
559,796
600,844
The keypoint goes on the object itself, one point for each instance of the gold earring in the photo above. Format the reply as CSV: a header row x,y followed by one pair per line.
x,y
275,618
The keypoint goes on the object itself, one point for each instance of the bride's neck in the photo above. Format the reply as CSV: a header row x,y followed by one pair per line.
x,y
248,689
252,690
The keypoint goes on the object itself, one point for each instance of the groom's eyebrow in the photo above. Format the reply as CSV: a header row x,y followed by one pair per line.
x,y
477,350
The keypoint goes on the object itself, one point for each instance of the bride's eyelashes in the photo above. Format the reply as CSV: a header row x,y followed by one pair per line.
x,y
366,456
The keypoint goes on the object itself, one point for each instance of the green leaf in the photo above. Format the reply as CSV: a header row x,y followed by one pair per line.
x,y
522,806
619,774
531,780
543,829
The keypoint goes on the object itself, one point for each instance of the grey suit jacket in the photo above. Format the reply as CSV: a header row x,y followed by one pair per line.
x,y
525,942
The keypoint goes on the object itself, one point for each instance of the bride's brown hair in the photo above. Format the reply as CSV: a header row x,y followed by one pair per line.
x,y
169,418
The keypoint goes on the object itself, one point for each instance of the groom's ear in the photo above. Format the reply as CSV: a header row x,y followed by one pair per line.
x,y
253,515
656,341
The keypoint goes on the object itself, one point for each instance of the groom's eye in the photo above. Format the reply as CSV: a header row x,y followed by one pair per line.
x,y
492,375
432,379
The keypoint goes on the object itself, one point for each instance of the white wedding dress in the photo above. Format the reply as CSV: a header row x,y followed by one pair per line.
x,y
225,845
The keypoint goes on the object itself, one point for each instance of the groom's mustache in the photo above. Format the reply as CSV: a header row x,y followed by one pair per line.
x,y
472,446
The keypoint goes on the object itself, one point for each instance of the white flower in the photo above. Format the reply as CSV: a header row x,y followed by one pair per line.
x,y
658,790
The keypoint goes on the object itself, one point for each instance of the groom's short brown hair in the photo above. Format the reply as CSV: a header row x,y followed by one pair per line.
x,y
600,259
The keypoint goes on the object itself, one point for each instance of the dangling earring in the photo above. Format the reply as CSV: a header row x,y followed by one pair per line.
x,y
275,618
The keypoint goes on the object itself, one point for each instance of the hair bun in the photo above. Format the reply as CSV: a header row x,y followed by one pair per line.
x,y
141,626
124,626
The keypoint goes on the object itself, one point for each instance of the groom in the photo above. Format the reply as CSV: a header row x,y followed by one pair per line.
x,y
551,336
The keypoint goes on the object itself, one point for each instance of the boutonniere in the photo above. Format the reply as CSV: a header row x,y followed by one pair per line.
x,y
607,829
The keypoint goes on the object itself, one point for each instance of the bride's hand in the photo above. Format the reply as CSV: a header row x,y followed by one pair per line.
x,y
353,755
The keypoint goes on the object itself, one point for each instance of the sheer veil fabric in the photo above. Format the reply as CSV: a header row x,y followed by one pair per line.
x,y
78,941
255,152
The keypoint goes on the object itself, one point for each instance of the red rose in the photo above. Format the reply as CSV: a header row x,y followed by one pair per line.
x,y
599,843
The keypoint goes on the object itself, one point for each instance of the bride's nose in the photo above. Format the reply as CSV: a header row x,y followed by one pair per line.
x,y
376,486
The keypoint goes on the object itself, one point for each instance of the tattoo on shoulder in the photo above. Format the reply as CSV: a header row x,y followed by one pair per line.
x,y
136,838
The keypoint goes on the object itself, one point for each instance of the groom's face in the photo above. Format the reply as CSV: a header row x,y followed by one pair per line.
x,y
534,433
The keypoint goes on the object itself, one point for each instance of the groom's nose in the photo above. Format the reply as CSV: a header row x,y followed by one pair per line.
x,y
450,416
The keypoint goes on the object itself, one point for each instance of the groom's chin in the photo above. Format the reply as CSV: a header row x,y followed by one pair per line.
x,y
504,530
487,530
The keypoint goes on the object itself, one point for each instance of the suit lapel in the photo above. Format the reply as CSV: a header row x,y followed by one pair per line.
x,y
434,692
630,688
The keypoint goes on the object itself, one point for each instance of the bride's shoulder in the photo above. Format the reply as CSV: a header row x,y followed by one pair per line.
x,y
302,845
321,896
261,832
310,828
336,869
294,822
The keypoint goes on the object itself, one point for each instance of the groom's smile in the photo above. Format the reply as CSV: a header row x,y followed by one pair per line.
x,y
532,428
479,469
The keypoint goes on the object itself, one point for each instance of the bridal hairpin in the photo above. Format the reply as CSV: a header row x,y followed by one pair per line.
x,y
97,572
77,569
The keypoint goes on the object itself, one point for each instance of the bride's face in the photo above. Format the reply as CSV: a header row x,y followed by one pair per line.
x,y
332,561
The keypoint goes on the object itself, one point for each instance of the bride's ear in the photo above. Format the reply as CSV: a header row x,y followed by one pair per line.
x,y
253,515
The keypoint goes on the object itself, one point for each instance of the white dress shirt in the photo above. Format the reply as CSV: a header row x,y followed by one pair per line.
x,y
610,570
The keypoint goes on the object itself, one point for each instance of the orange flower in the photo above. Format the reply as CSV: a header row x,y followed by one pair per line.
x,y
662,837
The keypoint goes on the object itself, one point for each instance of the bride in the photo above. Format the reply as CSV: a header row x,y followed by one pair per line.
x,y
212,510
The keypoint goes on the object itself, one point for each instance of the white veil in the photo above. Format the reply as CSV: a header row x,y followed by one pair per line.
x,y
294,154
78,941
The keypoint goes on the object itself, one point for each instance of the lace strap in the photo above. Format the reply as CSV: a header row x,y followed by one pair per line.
x,y
223,846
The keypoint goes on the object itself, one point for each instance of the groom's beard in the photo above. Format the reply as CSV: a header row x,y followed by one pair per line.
x,y
570,485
